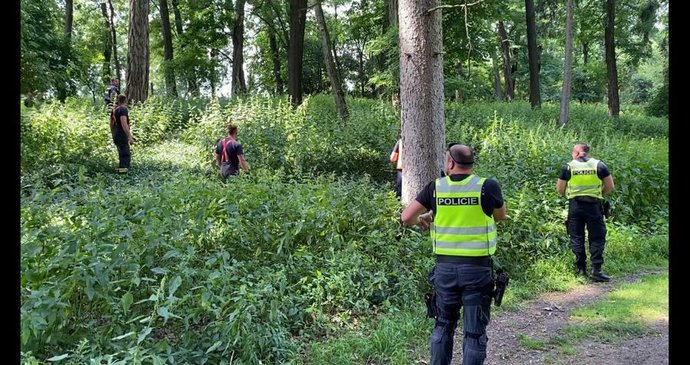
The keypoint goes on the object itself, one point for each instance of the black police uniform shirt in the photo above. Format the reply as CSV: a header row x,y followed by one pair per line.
x,y
492,197
602,172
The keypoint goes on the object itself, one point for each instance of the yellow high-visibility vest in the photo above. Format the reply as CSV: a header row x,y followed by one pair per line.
x,y
460,227
584,180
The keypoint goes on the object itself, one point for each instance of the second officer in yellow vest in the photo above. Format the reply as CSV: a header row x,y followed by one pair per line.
x,y
464,209
584,181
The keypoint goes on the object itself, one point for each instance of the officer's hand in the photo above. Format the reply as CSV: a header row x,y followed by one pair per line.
x,y
426,219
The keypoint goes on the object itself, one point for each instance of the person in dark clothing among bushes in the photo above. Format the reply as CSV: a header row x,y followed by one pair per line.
x,y
122,134
230,155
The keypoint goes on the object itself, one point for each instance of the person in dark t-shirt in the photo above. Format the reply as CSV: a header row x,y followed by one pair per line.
x,y
230,155
122,135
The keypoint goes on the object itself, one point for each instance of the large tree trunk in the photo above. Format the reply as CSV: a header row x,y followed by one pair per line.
x,y
275,56
108,50
170,86
238,84
533,55
567,66
421,94
333,74
65,54
69,18
138,55
611,71
505,54
113,38
298,14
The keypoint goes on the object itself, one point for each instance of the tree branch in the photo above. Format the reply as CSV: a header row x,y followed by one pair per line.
x,y
453,6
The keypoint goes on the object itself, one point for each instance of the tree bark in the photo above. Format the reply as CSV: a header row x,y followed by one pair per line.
x,y
108,50
333,74
113,38
178,17
567,66
69,18
421,94
611,71
138,55
505,53
393,13
238,84
298,14
498,88
275,56
533,55
170,85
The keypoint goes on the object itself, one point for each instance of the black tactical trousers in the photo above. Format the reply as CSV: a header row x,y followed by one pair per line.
x,y
588,215
123,152
467,286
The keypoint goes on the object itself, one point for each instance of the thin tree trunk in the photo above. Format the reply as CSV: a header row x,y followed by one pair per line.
x,y
69,18
393,13
585,52
505,53
611,71
114,41
170,86
533,55
298,14
567,66
421,94
238,84
108,50
497,80
189,75
275,56
178,16
138,56
333,74
362,78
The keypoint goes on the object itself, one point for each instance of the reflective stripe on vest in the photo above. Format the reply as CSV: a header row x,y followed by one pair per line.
x,y
460,227
584,180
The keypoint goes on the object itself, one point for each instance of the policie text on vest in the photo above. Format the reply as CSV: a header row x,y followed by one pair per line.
x,y
458,201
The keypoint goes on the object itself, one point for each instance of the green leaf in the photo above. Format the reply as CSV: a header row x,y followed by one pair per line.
x,y
163,312
214,347
126,301
59,357
123,336
174,284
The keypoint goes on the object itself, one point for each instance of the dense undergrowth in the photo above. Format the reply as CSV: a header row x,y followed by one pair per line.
x,y
169,265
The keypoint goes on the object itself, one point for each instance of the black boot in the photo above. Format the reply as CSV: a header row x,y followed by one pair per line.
x,y
581,271
599,276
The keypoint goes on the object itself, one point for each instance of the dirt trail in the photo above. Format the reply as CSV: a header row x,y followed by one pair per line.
x,y
542,318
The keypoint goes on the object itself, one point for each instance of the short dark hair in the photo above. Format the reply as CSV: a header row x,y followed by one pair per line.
x,y
231,129
461,154
121,99
584,146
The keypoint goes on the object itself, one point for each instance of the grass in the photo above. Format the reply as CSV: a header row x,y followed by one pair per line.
x,y
630,310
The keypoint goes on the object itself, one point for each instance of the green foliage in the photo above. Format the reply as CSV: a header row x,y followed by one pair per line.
x,y
167,264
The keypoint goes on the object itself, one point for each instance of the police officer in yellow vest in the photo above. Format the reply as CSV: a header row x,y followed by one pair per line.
x,y
584,181
464,209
